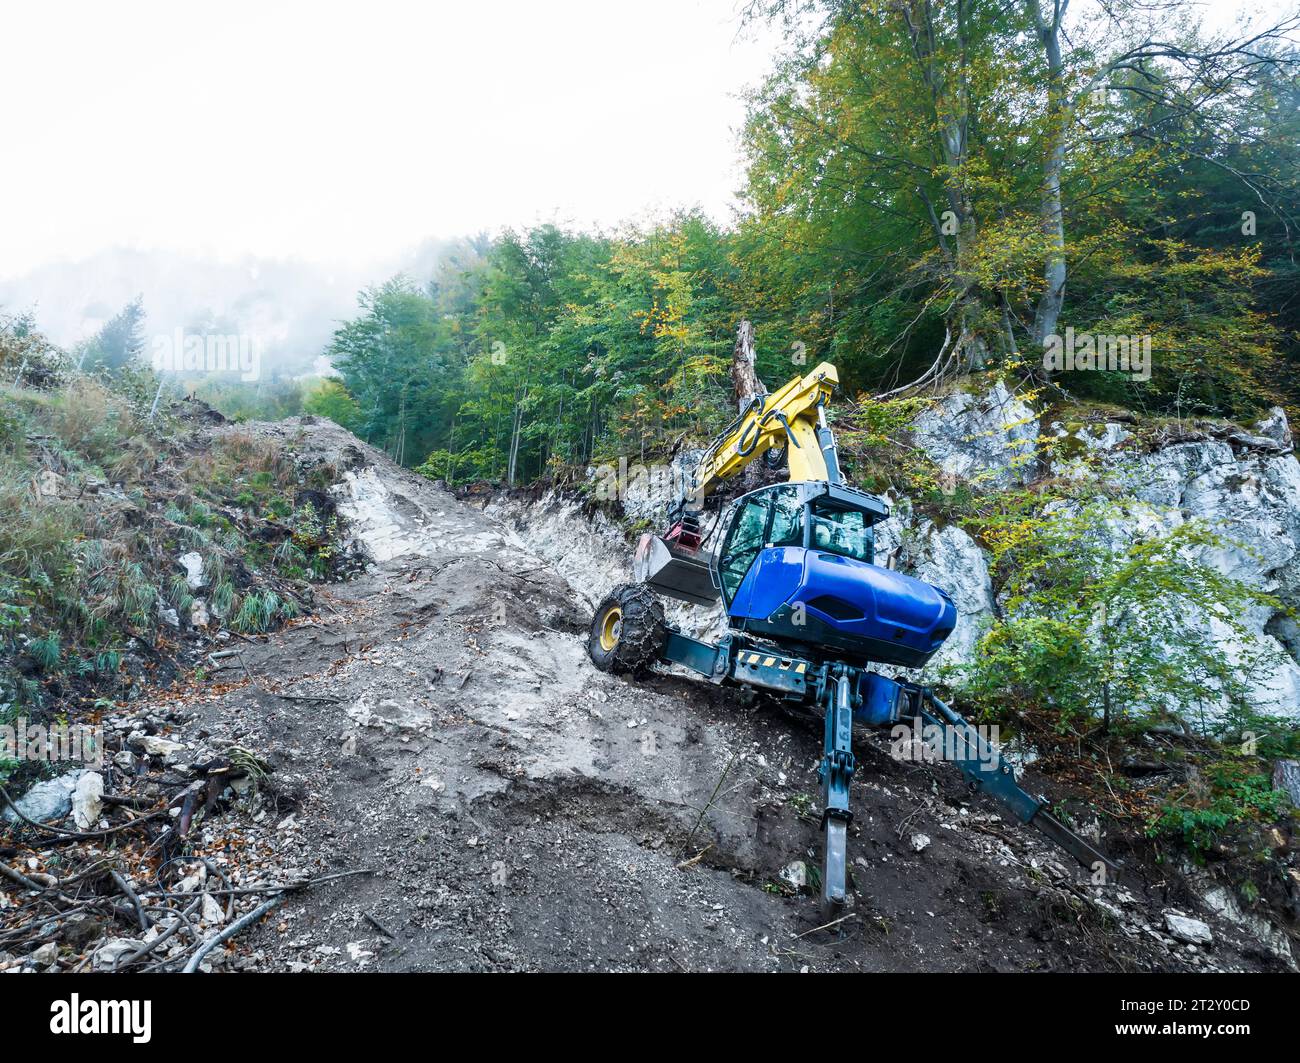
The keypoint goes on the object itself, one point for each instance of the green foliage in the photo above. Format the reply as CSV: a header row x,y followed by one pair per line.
x,y
119,343
260,611
27,358
46,651
900,162
312,542
83,575
330,399
1222,794
547,350
270,399
1095,629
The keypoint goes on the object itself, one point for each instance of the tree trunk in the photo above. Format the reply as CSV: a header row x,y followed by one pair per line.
x,y
1052,216
744,377
516,430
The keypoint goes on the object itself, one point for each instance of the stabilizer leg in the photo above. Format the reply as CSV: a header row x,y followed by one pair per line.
x,y
836,774
984,766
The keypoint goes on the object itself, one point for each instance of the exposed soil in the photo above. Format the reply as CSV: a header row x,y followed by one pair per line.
x,y
521,810
438,725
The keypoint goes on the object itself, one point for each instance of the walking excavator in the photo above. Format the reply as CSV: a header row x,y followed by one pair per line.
x,y
811,615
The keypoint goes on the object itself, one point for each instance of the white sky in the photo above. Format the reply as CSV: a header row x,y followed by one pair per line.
x,y
342,132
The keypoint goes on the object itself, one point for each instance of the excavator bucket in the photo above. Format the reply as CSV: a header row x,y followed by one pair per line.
x,y
674,573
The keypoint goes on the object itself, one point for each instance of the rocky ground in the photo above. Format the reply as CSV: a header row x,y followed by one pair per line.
x,y
436,737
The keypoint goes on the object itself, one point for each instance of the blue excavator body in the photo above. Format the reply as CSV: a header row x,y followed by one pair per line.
x,y
797,566
862,611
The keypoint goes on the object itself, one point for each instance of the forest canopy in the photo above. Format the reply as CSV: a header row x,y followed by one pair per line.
x,y
931,189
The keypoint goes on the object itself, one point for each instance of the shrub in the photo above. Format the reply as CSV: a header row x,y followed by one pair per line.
x,y
1093,629
1222,794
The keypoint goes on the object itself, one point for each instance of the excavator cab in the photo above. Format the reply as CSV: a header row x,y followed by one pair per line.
x,y
796,565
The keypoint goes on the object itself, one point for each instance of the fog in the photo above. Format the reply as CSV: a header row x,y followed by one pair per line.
x,y
256,164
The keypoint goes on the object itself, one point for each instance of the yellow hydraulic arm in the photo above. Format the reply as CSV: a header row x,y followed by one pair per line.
x,y
793,416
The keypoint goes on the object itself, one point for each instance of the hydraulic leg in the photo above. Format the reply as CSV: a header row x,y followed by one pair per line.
x,y
884,701
836,774
984,766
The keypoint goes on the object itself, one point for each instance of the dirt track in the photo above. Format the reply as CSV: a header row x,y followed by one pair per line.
x,y
438,723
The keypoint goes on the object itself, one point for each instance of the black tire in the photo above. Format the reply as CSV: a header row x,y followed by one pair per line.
x,y
627,632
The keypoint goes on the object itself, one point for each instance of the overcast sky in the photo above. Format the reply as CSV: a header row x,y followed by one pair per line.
x,y
258,162
343,132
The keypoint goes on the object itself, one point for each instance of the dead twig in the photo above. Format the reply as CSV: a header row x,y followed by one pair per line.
x,y
125,887
826,926
694,859
379,926
709,803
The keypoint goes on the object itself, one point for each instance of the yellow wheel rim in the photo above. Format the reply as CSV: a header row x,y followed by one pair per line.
x,y
611,627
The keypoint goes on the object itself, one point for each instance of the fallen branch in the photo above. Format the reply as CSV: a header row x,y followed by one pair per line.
x,y
307,697
273,887
924,377
73,834
379,926
825,926
23,880
182,919
234,928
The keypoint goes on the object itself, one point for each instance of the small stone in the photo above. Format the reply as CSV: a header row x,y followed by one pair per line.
x,y
46,954
794,874
108,954
211,912
78,931
86,800
155,746
199,613
1188,930
919,842
46,802
47,483
193,565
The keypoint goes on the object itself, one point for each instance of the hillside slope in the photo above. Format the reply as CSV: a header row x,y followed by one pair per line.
x,y
438,725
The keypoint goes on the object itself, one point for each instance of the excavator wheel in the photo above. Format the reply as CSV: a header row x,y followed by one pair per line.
x,y
627,632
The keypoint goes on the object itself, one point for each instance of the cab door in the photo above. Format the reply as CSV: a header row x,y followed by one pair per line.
x,y
763,545
743,541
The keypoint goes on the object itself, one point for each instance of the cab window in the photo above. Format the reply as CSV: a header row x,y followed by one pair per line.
x,y
787,519
743,544
841,531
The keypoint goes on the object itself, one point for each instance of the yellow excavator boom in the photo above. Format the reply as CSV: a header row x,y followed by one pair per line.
x,y
793,416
